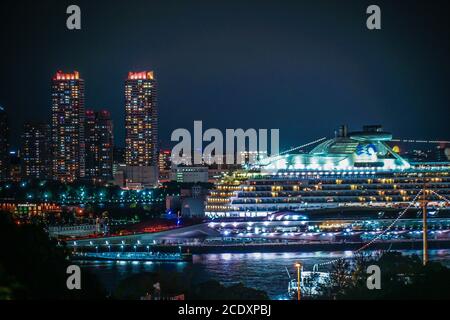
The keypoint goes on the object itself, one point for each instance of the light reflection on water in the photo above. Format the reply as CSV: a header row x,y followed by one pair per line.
x,y
260,270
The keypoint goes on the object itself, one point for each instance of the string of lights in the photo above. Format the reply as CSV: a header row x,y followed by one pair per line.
x,y
295,148
302,146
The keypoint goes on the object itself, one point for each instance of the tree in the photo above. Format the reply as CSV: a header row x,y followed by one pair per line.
x,y
402,277
339,279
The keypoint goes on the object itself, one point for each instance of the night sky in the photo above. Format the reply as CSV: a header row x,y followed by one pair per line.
x,y
302,66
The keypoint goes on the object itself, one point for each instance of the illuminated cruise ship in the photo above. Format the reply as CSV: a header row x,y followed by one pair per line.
x,y
352,170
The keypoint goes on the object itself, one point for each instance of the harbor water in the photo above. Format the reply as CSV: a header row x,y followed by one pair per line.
x,y
263,271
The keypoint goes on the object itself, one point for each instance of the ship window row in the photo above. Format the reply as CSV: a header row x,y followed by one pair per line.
x,y
306,192
331,198
333,181
321,186
330,195
273,207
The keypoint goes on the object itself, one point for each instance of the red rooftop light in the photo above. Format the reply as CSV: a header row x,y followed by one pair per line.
x,y
142,75
66,76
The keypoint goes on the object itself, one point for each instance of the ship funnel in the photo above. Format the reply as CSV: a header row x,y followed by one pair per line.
x,y
343,131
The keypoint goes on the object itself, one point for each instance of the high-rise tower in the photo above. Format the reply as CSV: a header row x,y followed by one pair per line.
x,y
141,119
68,143
35,151
99,145
141,125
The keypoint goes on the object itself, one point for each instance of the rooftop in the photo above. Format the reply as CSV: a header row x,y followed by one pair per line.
x,y
141,75
66,76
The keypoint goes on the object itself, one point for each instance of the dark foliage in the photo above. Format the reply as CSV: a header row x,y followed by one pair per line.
x,y
402,277
33,267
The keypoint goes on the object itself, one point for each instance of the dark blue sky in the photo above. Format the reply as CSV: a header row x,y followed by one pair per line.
x,y
302,66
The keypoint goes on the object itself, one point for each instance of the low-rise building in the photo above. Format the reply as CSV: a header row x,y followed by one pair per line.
x,y
135,177
189,174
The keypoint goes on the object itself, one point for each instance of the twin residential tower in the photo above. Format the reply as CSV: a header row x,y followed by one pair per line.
x,y
82,140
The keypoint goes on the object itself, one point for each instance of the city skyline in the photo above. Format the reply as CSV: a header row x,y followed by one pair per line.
x,y
80,141
233,76
171,151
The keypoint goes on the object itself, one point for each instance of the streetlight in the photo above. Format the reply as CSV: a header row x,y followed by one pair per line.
x,y
424,226
148,249
135,247
298,265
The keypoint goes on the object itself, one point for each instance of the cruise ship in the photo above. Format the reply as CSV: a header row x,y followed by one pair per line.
x,y
352,170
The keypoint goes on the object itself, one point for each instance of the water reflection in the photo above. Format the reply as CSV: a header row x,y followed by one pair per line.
x,y
261,270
